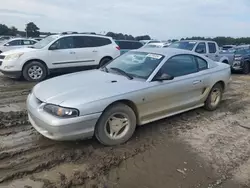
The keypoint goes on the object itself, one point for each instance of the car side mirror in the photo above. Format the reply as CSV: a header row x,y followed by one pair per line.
x,y
163,77
7,44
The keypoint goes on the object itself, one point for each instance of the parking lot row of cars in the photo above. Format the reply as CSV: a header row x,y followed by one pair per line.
x,y
35,60
141,86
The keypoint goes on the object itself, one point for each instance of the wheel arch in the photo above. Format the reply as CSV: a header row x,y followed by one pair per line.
x,y
107,56
222,83
224,59
39,60
130,104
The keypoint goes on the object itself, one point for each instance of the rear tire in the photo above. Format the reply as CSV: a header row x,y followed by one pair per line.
x,y
214,98
34,71
104,61
116,125
246,68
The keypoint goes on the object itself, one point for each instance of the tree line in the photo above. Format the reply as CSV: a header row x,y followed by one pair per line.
x,y
31,30
224,40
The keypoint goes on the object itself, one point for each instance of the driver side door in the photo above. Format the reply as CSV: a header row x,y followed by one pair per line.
x,y
62,53
179,94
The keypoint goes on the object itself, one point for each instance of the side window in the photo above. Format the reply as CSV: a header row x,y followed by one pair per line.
x,y
64,43
15,43
26,42
212,47
202,64
136,45
201,48
32,42
125,45
99,41
180,65
88,41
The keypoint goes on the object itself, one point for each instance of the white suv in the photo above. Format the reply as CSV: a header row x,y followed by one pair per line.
x,y
58,53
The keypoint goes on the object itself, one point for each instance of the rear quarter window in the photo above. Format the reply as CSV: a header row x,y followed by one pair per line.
x,y
99,41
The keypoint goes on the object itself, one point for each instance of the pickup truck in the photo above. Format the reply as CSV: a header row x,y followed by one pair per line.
x,y
209,48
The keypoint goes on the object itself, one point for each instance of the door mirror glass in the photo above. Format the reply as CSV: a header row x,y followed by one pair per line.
x,y
163,77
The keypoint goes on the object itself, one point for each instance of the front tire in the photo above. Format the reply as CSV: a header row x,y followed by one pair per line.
x,y
214,98
34,71
116,125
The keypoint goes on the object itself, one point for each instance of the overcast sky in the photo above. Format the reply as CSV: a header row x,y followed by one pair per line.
x,y
161,19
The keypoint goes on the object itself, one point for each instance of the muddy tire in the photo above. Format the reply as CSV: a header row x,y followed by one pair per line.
x,y
246,68
34,71
214,98
104,61
116,125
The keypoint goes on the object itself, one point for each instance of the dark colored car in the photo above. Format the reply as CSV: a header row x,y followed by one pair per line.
x,y
242,59
126,45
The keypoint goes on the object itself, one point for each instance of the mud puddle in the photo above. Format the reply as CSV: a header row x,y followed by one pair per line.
x,y
12,107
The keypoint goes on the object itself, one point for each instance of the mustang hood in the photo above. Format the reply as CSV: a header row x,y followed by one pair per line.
x,y
85,87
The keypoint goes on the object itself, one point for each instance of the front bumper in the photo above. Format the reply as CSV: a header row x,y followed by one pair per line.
x,y
10,68
60,128
12,74
237,66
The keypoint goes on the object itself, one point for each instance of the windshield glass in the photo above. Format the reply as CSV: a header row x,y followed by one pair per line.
x,y
186,45
136,64
152,46
242,51
44,42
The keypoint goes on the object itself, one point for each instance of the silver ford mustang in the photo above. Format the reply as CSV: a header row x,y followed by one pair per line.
x,y
136,88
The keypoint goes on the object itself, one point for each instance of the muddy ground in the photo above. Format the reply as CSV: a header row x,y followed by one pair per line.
x,y
197,149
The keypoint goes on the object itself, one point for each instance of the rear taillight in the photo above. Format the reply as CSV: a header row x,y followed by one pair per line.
x,y
118,48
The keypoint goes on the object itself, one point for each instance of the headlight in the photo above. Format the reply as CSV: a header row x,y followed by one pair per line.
x,y
61,111
13,56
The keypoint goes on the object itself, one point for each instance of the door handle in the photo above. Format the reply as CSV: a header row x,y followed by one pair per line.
x,y
94,50
196,82
72,52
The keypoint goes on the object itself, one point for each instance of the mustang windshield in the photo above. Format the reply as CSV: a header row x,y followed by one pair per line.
x,y
136,64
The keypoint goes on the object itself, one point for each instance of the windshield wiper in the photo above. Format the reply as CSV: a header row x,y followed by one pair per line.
x,y
122,72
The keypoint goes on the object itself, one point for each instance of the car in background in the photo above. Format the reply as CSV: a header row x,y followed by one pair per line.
x,y
58,53
144,42
16,43
3,38
227,47
126,45
110,102
38,38
209,49
242,59
156,45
